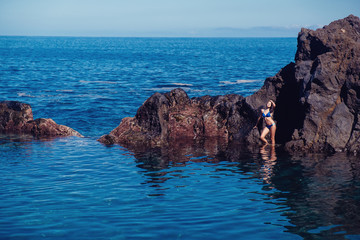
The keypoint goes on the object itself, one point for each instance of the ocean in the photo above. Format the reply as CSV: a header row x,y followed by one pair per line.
x,y
78,188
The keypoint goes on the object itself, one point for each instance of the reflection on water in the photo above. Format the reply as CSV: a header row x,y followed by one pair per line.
x,y
320,194
268,155
324,192
198,189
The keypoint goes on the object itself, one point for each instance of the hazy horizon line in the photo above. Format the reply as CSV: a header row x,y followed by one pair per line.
x,y
95,36
220,32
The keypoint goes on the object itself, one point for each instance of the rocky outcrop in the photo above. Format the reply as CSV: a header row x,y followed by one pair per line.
x,y
171,116
168,117
17,118
317,98
327,72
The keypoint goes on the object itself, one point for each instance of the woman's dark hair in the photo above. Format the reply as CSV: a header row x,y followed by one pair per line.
x,y
272,108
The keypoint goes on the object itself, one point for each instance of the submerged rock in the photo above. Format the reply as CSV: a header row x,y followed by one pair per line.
x,y
17,118
317,98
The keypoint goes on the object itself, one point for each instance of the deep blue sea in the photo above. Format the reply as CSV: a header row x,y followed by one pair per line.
x,y
78,188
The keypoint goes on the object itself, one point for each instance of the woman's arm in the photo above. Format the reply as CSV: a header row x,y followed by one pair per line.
x,y
257,123
274,105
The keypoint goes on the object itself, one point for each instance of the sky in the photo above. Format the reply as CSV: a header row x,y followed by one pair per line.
x,y
169,18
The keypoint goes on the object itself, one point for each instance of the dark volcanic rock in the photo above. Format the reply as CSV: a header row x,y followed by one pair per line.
x,y
327,71
317,98
17,118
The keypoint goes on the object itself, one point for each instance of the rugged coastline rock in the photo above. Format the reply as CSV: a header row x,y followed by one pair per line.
x,y
17,118
327,71
168,117
317,98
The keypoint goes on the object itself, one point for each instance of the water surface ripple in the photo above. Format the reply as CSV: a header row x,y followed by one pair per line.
x,y
77,188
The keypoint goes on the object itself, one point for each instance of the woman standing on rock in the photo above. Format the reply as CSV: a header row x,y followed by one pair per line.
x,y
270,123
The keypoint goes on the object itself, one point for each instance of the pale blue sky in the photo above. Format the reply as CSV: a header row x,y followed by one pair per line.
x,y
169,17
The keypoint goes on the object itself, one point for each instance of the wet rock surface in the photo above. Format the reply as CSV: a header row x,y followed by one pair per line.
x,y
317,98
17,118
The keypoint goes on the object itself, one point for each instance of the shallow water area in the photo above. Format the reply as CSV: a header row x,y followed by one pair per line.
x,y
78,188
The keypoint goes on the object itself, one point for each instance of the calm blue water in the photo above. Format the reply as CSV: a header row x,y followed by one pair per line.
x,y
77,188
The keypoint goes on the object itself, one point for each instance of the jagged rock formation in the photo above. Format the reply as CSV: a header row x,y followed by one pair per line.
x,y
17,118
317,97
327,74
171,116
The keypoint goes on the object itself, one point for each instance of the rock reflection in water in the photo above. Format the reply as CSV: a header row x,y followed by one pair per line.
x,y
178,154
322,193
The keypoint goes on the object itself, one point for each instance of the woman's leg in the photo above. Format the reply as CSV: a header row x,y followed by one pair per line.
x,y
272,134
264,132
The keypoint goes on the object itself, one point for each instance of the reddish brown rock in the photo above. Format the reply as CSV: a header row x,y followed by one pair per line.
x,y
172,116
17,118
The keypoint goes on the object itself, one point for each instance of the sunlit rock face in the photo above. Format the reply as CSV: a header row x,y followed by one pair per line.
x,y
327,71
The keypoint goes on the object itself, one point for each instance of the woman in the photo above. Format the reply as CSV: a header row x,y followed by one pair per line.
x,y
270,124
